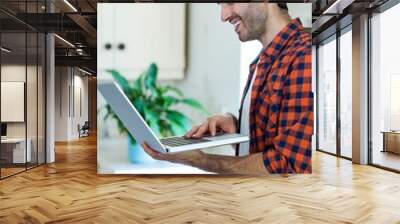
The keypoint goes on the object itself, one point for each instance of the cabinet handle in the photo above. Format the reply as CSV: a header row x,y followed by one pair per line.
x,y
121,46
108,46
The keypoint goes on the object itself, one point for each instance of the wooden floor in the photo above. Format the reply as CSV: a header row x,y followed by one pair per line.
x,y
70,191
5,172
8,171
387,159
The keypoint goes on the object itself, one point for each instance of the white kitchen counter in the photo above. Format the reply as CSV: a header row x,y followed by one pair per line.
x,y
18,146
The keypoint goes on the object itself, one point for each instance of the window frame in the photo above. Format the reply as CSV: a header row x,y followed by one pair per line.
x,y
27,29
333,37
378,10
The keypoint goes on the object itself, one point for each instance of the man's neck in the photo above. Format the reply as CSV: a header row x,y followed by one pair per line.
x,y
275,23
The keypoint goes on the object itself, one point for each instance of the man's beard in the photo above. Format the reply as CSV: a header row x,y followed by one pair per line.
x,y
254,26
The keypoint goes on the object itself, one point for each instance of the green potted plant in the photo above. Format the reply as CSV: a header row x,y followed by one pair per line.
x,y
155,104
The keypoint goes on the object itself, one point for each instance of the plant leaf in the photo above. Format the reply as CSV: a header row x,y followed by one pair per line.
x,y
173,89
150,78
152,119
178,118
176,128
153,102
138,84
121,80
109,112
132,139
139,106
169,101
195,104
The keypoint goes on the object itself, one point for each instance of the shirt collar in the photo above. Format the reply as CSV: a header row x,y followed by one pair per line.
x,y
280,41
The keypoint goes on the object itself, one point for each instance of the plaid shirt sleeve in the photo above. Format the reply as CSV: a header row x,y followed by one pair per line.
x,y
291,151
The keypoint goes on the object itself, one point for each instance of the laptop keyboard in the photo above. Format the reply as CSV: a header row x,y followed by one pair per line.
x,y
179,141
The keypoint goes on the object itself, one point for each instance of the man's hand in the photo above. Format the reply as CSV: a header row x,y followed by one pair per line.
x,y
187,157
251,164
226,123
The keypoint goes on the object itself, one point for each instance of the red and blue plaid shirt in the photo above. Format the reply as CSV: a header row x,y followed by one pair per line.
x,y
281,110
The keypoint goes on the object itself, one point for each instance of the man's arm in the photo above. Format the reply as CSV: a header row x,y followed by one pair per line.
x,y
291,150
250,164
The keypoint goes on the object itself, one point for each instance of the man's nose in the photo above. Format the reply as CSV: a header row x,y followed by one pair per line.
x,y
225,13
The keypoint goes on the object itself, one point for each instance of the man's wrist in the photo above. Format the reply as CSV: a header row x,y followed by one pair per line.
x,y
196,160
234,120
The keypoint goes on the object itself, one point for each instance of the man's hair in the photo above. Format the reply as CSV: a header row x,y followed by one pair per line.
x,y
283,6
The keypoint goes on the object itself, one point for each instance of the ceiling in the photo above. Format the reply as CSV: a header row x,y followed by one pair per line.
x,y
331,15
76,22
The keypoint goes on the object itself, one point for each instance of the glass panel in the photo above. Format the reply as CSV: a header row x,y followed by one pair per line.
x,y
41,86
23,82
31,97
13,85
346,94
327,96
385,84
41,99
31,86
314,89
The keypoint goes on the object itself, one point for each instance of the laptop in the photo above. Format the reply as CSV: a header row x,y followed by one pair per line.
x,y
139,129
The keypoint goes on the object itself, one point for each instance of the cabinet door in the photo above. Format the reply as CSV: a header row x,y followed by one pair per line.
x,y
105,39
146,33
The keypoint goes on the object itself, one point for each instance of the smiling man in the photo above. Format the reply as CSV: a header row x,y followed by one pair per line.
x,y
277,105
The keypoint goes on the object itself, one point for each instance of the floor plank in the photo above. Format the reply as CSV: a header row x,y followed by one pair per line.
x,y
70,191
386,159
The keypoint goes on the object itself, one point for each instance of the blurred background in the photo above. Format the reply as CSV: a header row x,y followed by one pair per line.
x,y
193,49
210,65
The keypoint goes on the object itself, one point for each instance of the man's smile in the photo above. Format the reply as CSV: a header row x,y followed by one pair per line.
x,y
236,23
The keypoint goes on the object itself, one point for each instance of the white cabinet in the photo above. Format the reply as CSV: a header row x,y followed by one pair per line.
x,y
105,37
131,36
12,101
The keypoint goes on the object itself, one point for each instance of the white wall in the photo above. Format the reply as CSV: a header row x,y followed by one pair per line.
x,y
81,82
213,72
302,11
213,66
15,72
68,81
61,103
33,126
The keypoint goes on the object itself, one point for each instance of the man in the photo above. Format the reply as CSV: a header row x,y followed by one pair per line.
x,y
277,104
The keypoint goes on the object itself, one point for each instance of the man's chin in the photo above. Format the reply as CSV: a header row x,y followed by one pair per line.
x,y
243,39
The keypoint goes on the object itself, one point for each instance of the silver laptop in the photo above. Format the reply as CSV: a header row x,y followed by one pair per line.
x,y
138,128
